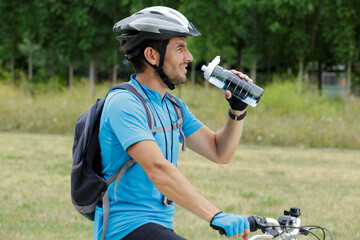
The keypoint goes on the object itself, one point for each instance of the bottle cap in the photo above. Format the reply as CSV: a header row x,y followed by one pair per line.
x,y
210,68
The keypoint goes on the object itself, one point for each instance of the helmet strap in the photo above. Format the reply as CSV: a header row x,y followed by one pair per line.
x,y
160,69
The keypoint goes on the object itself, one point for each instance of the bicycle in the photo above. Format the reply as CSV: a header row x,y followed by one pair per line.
x,y
287,227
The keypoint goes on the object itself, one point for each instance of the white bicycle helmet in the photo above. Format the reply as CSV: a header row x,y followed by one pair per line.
x,y
152,24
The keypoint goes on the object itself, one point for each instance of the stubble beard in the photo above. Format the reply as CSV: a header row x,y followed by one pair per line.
x,y
175,78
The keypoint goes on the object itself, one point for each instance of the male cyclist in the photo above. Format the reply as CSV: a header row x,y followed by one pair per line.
x,y
154,41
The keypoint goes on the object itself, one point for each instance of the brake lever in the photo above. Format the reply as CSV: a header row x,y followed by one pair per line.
x,y
272,232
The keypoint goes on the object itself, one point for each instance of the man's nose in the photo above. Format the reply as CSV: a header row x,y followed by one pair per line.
x,y
189,56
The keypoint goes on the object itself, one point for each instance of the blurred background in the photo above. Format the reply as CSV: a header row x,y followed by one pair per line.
x,y
300,144
56,56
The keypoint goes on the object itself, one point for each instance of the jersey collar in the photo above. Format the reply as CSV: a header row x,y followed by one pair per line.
x,y
154,95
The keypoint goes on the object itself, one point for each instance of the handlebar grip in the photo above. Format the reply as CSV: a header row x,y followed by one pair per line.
x,y
252,223
257,223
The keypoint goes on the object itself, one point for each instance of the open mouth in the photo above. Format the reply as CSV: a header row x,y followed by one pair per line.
x,y
184,68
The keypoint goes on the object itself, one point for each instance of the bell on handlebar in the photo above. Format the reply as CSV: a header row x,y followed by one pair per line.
x,y
294,212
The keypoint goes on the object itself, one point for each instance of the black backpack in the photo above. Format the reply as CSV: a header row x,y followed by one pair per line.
x,y
88,186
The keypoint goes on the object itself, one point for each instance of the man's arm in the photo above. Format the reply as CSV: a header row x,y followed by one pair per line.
x,y
173,184
217,146
169,180
220,146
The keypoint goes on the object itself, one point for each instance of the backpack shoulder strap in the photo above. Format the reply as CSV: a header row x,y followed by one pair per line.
x,y
151,122
119,173
180,116
177,106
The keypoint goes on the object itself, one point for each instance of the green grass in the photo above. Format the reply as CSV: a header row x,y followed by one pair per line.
x,y
282,118
35,188
285,118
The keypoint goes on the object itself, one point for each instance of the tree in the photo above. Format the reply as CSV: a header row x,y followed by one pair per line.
x,y
10,22
216,36
89,31
32,22
297,26
343,30
256,17
51,31
117,11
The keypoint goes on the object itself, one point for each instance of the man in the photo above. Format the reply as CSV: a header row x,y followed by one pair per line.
x,y
154,40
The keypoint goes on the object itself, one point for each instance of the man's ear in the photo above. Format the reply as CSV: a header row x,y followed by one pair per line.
x,y
151,55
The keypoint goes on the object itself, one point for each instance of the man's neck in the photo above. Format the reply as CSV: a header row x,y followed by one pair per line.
x,y
153,81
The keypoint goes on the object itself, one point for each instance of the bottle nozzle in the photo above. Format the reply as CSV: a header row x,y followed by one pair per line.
x,y
210,68
204,68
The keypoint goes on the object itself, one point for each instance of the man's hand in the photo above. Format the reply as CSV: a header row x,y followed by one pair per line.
x,y
234,102
234,225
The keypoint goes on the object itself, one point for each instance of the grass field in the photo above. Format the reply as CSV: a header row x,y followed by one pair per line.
x,y
282,117
325,184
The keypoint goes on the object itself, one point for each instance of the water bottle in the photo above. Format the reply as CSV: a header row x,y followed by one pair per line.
x,y
246,91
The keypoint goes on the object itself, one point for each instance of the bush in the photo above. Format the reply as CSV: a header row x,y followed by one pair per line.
x,y
283,117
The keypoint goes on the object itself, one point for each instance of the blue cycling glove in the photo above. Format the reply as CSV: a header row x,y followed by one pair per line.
x,y
229,224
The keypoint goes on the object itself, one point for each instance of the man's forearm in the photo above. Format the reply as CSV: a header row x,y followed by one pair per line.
x,y
228,137
170,181
173,184
217,146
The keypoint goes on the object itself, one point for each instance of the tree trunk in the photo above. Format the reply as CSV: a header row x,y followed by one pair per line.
x,y
206,82
13,64
319,79
301,73
114,70
253,69
71,75
348,87
268,70
348,78
193,76
30,62
92,75
239,60
254,59
52,69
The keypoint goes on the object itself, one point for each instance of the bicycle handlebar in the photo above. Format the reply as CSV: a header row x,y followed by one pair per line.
x,y
287,227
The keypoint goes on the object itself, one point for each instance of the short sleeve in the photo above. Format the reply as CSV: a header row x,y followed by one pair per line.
x,y
126,116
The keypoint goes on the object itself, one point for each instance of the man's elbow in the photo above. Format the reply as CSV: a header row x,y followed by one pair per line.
x,y
157,175
222,160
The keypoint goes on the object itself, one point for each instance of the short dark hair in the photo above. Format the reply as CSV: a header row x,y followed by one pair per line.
x,y
138,62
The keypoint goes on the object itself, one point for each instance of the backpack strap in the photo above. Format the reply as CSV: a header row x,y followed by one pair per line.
x,y
106,210
105,200
119,173
151,122
180,116
131,88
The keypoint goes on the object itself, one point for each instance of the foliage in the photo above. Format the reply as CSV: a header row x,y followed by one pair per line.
x,y
275,34
282,117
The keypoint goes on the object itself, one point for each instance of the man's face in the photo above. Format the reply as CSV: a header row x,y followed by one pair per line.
x,y
176,60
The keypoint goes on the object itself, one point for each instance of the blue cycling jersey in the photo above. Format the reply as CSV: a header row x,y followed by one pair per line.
x,y
123,123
